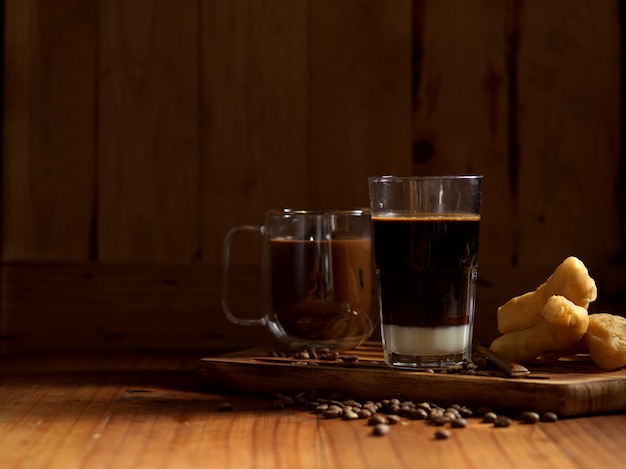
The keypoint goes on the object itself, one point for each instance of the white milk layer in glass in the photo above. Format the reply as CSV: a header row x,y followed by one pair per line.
x,y
426,340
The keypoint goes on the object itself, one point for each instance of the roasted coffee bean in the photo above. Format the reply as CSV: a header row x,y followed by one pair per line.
x,y
371,408
380,429
320,409
502,421
458,423
349,358
442,434
335,402
364,414
302,355
424,405
328,356
549,417
439,421
393,409
225,407
435,414
489,417
333,412
376,419
418,414
465,412
529,417
312,405
350,415
393,419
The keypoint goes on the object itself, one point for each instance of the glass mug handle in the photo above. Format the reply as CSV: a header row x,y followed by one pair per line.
x,y
226,276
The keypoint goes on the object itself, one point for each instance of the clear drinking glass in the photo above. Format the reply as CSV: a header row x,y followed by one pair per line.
x,y
425,232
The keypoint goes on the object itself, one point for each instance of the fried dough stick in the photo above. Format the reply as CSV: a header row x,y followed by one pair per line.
x,y
562,324
570,279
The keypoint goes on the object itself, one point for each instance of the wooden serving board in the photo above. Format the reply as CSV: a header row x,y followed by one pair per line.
x,y
568,387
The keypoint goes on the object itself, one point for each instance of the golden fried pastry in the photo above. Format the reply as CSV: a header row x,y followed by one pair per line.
x,y
570,279
606,340
562,324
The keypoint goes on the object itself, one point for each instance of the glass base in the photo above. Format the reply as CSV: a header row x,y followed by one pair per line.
x,y
416,362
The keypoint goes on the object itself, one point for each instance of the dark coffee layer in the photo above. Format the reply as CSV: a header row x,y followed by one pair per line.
x,y
322,290
426,267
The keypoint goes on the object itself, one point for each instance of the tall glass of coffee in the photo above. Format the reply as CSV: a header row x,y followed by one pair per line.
x,y
318,276
425,232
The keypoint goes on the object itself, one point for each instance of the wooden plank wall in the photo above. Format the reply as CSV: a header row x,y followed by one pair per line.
x,y
136,133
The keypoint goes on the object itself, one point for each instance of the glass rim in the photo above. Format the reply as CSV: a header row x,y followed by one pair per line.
x,y
392,178
319,212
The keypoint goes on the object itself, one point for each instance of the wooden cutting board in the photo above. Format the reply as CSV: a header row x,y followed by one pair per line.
x,y
568,387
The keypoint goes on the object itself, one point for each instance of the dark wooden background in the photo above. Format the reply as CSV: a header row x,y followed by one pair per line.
x,y
136,132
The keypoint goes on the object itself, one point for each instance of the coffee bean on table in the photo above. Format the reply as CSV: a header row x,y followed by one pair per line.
x,y
458,423
529,417
549,417
380,429
502,421
442,434
377,419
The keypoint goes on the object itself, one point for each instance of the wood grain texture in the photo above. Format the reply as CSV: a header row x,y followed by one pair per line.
x,y
145,411
122,306
360,97
148,132
255,81
569,133
49,129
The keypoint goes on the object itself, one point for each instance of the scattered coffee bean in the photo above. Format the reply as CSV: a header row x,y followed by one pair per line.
x,y
376,419
549,417
349,358
458,423
333,412
502,421
382,414
321,408
380,429
529,417
225,407
418,414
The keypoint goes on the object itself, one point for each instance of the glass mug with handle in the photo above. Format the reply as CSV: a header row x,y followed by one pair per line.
x,y
319,288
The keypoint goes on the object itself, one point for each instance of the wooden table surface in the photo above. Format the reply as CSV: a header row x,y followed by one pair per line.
x,y
145,410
